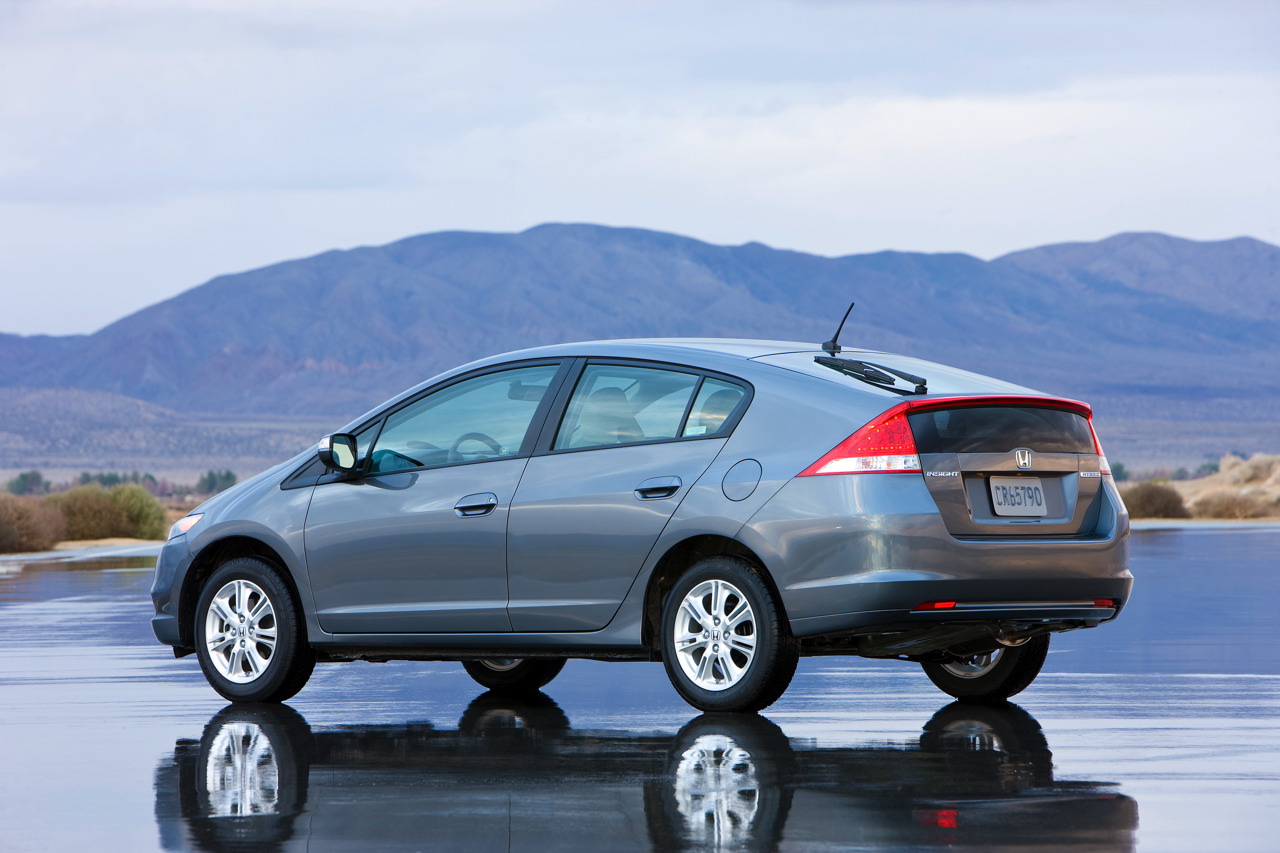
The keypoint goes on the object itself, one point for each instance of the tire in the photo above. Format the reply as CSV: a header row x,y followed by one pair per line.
x,y
998,741
249,635
250,778
513,675
725,643
495,713
727,786
990,678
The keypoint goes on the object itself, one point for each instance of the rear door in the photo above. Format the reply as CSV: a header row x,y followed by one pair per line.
x,y
632,441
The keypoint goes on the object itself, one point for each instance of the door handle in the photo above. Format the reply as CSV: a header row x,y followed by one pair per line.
x,y
476,505
658,487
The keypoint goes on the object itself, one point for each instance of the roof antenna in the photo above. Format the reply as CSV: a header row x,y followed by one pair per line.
x,y
831,346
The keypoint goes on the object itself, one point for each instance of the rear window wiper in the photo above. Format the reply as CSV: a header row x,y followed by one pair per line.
x,y
875,374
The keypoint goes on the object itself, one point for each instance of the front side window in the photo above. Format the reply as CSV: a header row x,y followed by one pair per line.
x,y
485,417
621,404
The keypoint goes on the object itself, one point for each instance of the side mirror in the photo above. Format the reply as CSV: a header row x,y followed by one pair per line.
x,y
338,452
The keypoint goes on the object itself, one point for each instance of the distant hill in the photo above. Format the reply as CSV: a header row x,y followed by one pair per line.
x,y
1146,326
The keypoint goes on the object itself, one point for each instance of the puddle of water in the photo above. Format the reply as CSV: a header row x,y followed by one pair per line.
x,y
1161,731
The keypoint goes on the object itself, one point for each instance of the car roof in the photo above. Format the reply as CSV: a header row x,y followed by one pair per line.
x,y
732,355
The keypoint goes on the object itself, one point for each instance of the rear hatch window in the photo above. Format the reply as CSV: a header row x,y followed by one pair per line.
x,y
1000,429
1010,470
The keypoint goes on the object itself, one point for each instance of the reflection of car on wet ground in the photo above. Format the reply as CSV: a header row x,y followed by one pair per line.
x,y
515,775
722,506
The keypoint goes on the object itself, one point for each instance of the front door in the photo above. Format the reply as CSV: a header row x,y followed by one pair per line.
x,y
417,544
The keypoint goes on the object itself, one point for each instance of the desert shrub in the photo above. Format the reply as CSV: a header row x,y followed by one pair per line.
x,y
1154,500
29,524
1236,505
91,513
146,515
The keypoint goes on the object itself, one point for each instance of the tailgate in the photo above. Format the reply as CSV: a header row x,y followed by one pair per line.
x,y
1030,468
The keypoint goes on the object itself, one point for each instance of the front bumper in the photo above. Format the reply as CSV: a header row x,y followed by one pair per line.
x,y
166,590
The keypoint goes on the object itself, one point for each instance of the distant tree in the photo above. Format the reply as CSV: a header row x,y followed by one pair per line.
x,y
107,481
1119,472
1205,469
1181,474
215,481
29,483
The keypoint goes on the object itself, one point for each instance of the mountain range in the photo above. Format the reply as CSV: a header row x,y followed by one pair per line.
x,y
1150,328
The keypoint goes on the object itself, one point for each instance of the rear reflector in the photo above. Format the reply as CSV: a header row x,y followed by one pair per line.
x,y
940,818
884,444
1104,602
934,605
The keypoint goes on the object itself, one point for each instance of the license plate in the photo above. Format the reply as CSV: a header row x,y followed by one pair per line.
x,y
1018,496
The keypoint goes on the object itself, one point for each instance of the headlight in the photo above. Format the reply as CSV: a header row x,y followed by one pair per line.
x,y
184,524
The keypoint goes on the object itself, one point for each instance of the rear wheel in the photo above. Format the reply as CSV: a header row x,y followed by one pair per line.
x,y
725,644
513,675
249,634
992,676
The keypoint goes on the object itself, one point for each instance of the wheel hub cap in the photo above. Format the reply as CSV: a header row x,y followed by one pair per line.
x,y
715,635
240,631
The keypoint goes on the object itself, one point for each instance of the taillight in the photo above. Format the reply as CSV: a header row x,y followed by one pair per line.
x,y
1103,465
884,444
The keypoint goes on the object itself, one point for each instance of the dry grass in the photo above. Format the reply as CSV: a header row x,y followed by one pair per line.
x,y
1242,489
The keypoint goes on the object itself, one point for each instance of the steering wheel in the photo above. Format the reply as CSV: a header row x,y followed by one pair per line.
x,y
455,455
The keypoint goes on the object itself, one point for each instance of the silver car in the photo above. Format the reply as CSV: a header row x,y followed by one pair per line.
x,y
722,506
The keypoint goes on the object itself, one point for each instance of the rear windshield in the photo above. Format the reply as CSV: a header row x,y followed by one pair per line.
x,y
1000,429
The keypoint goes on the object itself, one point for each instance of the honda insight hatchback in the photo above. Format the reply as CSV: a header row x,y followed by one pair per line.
x,y
722,506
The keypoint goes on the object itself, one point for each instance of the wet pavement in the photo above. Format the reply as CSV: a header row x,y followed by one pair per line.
x,y
1160,732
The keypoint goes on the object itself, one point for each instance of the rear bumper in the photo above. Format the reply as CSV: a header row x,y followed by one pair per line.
x,y
892,606
859,553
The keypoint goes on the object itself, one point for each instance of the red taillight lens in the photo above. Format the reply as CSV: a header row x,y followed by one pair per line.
x,y
884,444
1103,465
934,605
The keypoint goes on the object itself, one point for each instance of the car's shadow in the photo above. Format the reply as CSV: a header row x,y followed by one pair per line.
x,y
516,775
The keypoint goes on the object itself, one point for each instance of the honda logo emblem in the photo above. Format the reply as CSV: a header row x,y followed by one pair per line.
x,y
1023,458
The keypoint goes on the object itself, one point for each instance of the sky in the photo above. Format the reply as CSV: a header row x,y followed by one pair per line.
x,y
147,146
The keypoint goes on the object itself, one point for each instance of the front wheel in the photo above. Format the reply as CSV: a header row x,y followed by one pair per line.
x,y
249,635
513,675
725,643
993,676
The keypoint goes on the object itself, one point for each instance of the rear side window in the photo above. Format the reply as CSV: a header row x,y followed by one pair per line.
x,y
624,404
716,402
1000,429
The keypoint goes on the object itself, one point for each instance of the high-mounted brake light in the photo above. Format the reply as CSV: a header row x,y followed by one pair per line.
x,y
884,444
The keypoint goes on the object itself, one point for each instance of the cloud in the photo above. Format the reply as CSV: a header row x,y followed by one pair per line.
x,y
246,132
